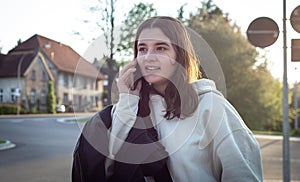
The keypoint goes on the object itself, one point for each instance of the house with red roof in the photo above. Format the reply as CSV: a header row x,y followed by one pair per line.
x,y
26,70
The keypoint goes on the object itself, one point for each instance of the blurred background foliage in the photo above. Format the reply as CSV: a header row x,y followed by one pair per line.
x,y
251,88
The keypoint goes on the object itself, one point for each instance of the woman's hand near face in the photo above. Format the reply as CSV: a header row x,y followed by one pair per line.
x,y
126,79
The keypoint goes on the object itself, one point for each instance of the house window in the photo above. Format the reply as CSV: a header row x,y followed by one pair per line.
x,y
97,85
85,83
92,85
44,77
74,82
13,95
96,100
1,95
66,80
105,81
43,97
65,98
78,81
32,96
33,75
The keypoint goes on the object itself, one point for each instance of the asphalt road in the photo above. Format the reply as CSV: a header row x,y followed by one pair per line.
x,y
44,147
43,151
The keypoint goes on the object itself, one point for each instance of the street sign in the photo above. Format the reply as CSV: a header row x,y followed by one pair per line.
x,y
262,32
295,19
295,50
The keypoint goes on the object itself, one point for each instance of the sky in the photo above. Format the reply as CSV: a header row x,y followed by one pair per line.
x,y
60,20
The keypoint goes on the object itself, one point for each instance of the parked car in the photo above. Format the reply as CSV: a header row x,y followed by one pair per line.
x,y
60,108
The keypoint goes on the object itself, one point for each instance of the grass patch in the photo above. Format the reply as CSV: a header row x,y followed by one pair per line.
x,y
292,132
84,119
267,132
296,132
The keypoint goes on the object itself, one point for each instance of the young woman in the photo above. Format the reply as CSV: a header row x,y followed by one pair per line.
x,y
169,123
204,136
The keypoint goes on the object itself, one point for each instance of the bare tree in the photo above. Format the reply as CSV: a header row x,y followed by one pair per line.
x,y
108,30
106,9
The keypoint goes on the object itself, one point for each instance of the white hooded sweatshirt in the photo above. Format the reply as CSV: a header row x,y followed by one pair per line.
x,y
213,144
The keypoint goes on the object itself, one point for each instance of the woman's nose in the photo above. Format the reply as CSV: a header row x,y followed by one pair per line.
x,y
150,56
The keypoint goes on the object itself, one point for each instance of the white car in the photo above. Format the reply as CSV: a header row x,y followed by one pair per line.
x,y
60,108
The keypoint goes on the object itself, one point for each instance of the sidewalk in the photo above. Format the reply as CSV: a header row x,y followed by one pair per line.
x,y
70,114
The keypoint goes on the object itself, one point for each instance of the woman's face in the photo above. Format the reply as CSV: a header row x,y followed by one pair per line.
x,y
156,58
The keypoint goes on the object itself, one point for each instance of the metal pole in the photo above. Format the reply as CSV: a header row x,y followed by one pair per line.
x,y
285,123
19,75
296,105
24,53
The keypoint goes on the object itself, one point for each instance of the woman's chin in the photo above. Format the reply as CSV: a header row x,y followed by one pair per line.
x,y
152,79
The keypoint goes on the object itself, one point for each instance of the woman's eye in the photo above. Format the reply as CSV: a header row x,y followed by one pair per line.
x,y
142,49
161,48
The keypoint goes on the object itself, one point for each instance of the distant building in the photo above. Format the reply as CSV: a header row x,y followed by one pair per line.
x,y
26,70
102,66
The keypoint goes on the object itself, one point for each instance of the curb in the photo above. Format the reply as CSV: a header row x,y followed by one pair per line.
x,y
7,145
277,137
47,115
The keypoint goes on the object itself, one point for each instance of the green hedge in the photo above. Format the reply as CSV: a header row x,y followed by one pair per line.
x,y
51,98
8,109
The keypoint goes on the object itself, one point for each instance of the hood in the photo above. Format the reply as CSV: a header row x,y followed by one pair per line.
x,y
204,85
212,111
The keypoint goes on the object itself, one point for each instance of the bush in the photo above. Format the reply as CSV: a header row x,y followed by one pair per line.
x,y
51,98
296,132
33,110
8,109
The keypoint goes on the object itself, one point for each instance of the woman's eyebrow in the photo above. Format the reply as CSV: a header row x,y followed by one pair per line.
x,y
162,43
141,44
156,44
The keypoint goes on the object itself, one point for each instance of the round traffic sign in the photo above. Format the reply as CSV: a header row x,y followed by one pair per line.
x,y
295,19
262,32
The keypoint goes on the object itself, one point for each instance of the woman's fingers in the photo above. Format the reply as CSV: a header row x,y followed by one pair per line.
x,y
127,66
126,77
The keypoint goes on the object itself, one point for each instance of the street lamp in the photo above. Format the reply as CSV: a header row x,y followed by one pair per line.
x,y
285,107
18,90
17,95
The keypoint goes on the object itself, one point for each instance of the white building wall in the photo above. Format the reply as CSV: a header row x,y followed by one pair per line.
x,y
7,84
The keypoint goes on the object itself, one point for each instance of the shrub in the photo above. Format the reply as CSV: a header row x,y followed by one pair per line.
x,y
8,109
51,99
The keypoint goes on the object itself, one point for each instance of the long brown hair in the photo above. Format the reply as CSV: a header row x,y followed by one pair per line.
x,y
180,96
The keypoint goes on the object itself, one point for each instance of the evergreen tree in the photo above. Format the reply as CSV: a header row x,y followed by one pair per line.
x,y
51,98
